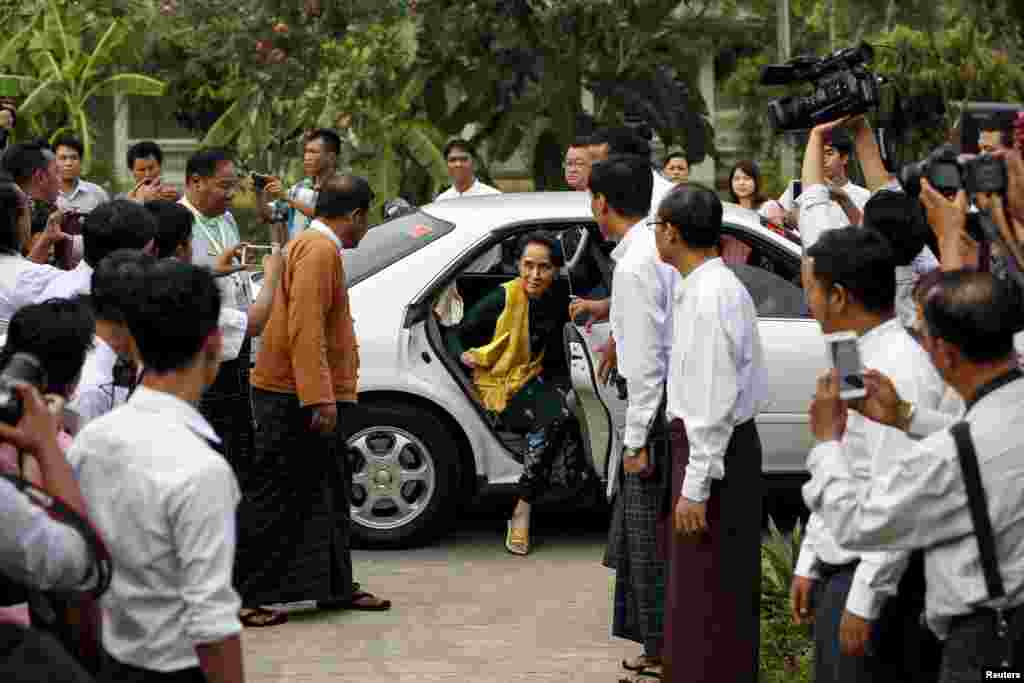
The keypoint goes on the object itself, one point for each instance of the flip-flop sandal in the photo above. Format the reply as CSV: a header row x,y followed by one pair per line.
x,y
380,606
642,677
517,541
628,666
258,617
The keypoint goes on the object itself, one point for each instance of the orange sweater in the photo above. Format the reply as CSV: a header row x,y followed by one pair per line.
x,y
308,347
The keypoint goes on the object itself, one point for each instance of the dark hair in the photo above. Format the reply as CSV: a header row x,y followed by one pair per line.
x,y
901,220
68,140
976,312
10,208
204,163
147,149
14,113
342,195
696,213
172,314
116,281
581,141
118,224
675,154
173,225
330,139
752,169
24,159
861,260
925,283
59,332
840,139
458,143
626,182
545,238
623,140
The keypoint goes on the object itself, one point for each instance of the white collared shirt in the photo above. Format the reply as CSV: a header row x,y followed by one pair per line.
x,y
69,284
84,198
919,501
323,229
661,187
869,448
641,322
96,394
22,282
818,213
906,279
37,550
476,189
165,503
716,375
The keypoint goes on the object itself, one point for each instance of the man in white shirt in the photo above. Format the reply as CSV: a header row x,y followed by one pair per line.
x,y
849,280
577,165
297,208
115,283
120,224
716,386
77,195
641,324
829,200
919,499
164,499
461,169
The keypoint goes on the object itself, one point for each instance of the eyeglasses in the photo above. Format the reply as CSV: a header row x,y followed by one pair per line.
x,y
653,224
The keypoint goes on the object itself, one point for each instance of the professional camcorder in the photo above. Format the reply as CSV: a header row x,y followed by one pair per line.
x,y
948,173
21,368
842,87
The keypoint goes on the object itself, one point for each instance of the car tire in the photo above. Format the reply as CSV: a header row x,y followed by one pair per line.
x,y
377,427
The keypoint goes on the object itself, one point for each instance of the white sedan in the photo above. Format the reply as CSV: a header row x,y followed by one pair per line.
x,y
425,444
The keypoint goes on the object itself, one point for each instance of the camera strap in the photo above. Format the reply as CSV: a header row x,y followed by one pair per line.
x,y
61,512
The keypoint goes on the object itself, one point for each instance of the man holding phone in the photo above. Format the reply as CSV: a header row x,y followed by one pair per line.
x,y
145,161
297,207
850,283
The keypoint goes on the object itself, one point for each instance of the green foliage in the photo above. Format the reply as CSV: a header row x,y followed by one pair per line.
x,y
786,649
61,59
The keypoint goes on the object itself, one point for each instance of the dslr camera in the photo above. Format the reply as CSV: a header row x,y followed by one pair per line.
x,y
21,368
842,87
948,173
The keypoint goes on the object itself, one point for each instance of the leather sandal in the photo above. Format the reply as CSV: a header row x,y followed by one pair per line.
x,y
517,541
640,663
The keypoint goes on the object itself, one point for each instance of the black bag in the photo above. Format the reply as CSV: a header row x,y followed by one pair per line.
x,y
1009,639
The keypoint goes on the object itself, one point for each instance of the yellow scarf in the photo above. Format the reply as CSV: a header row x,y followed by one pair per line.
x,y
504,366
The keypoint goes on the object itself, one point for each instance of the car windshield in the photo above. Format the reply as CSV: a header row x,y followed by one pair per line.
x,y
391,242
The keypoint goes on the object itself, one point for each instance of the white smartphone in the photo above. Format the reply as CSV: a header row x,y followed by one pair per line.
x,y
845,357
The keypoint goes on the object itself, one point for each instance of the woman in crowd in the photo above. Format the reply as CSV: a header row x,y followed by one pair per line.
x,y
512,340
676,167
22,280
745,186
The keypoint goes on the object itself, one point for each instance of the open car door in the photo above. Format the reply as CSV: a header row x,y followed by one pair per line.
x,y
600,408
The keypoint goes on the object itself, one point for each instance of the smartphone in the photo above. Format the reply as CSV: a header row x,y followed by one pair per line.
x,y
260,181
845,357
250,250
798,187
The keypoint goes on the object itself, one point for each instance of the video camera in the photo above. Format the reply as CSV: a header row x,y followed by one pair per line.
x,y
948,173
842,87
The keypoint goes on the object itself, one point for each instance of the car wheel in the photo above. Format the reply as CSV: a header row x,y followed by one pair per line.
x,y
404,466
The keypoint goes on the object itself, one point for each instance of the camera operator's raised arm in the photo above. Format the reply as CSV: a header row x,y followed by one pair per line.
x,y
868,154
815,202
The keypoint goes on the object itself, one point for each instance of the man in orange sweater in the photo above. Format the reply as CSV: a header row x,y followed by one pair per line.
x,y
294,519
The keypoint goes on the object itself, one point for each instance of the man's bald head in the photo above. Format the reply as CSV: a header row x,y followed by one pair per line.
x,y
975,312
340,195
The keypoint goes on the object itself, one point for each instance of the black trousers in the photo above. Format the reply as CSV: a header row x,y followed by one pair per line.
x,y
973,648
118,672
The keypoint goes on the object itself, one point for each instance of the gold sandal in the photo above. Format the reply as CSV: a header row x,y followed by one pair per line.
x,y
517,541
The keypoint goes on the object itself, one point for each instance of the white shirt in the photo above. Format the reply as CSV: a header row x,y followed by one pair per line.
x,y
165,503
641,322
210,237
818,213
919,501
661,187
69,284
96,394
869,448
324,229
476,189
716,375
234,325
21,283
84,198
36,550
906,279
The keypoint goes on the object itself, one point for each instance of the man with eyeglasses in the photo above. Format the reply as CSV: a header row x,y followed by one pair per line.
x,y
577,165
461,169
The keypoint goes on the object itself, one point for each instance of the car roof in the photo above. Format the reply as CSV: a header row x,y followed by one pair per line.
x,y
481,214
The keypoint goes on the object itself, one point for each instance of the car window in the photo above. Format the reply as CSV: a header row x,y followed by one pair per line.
x,y
391,242
772,278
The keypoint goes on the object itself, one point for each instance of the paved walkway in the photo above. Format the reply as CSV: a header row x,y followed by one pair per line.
x,y
464,610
